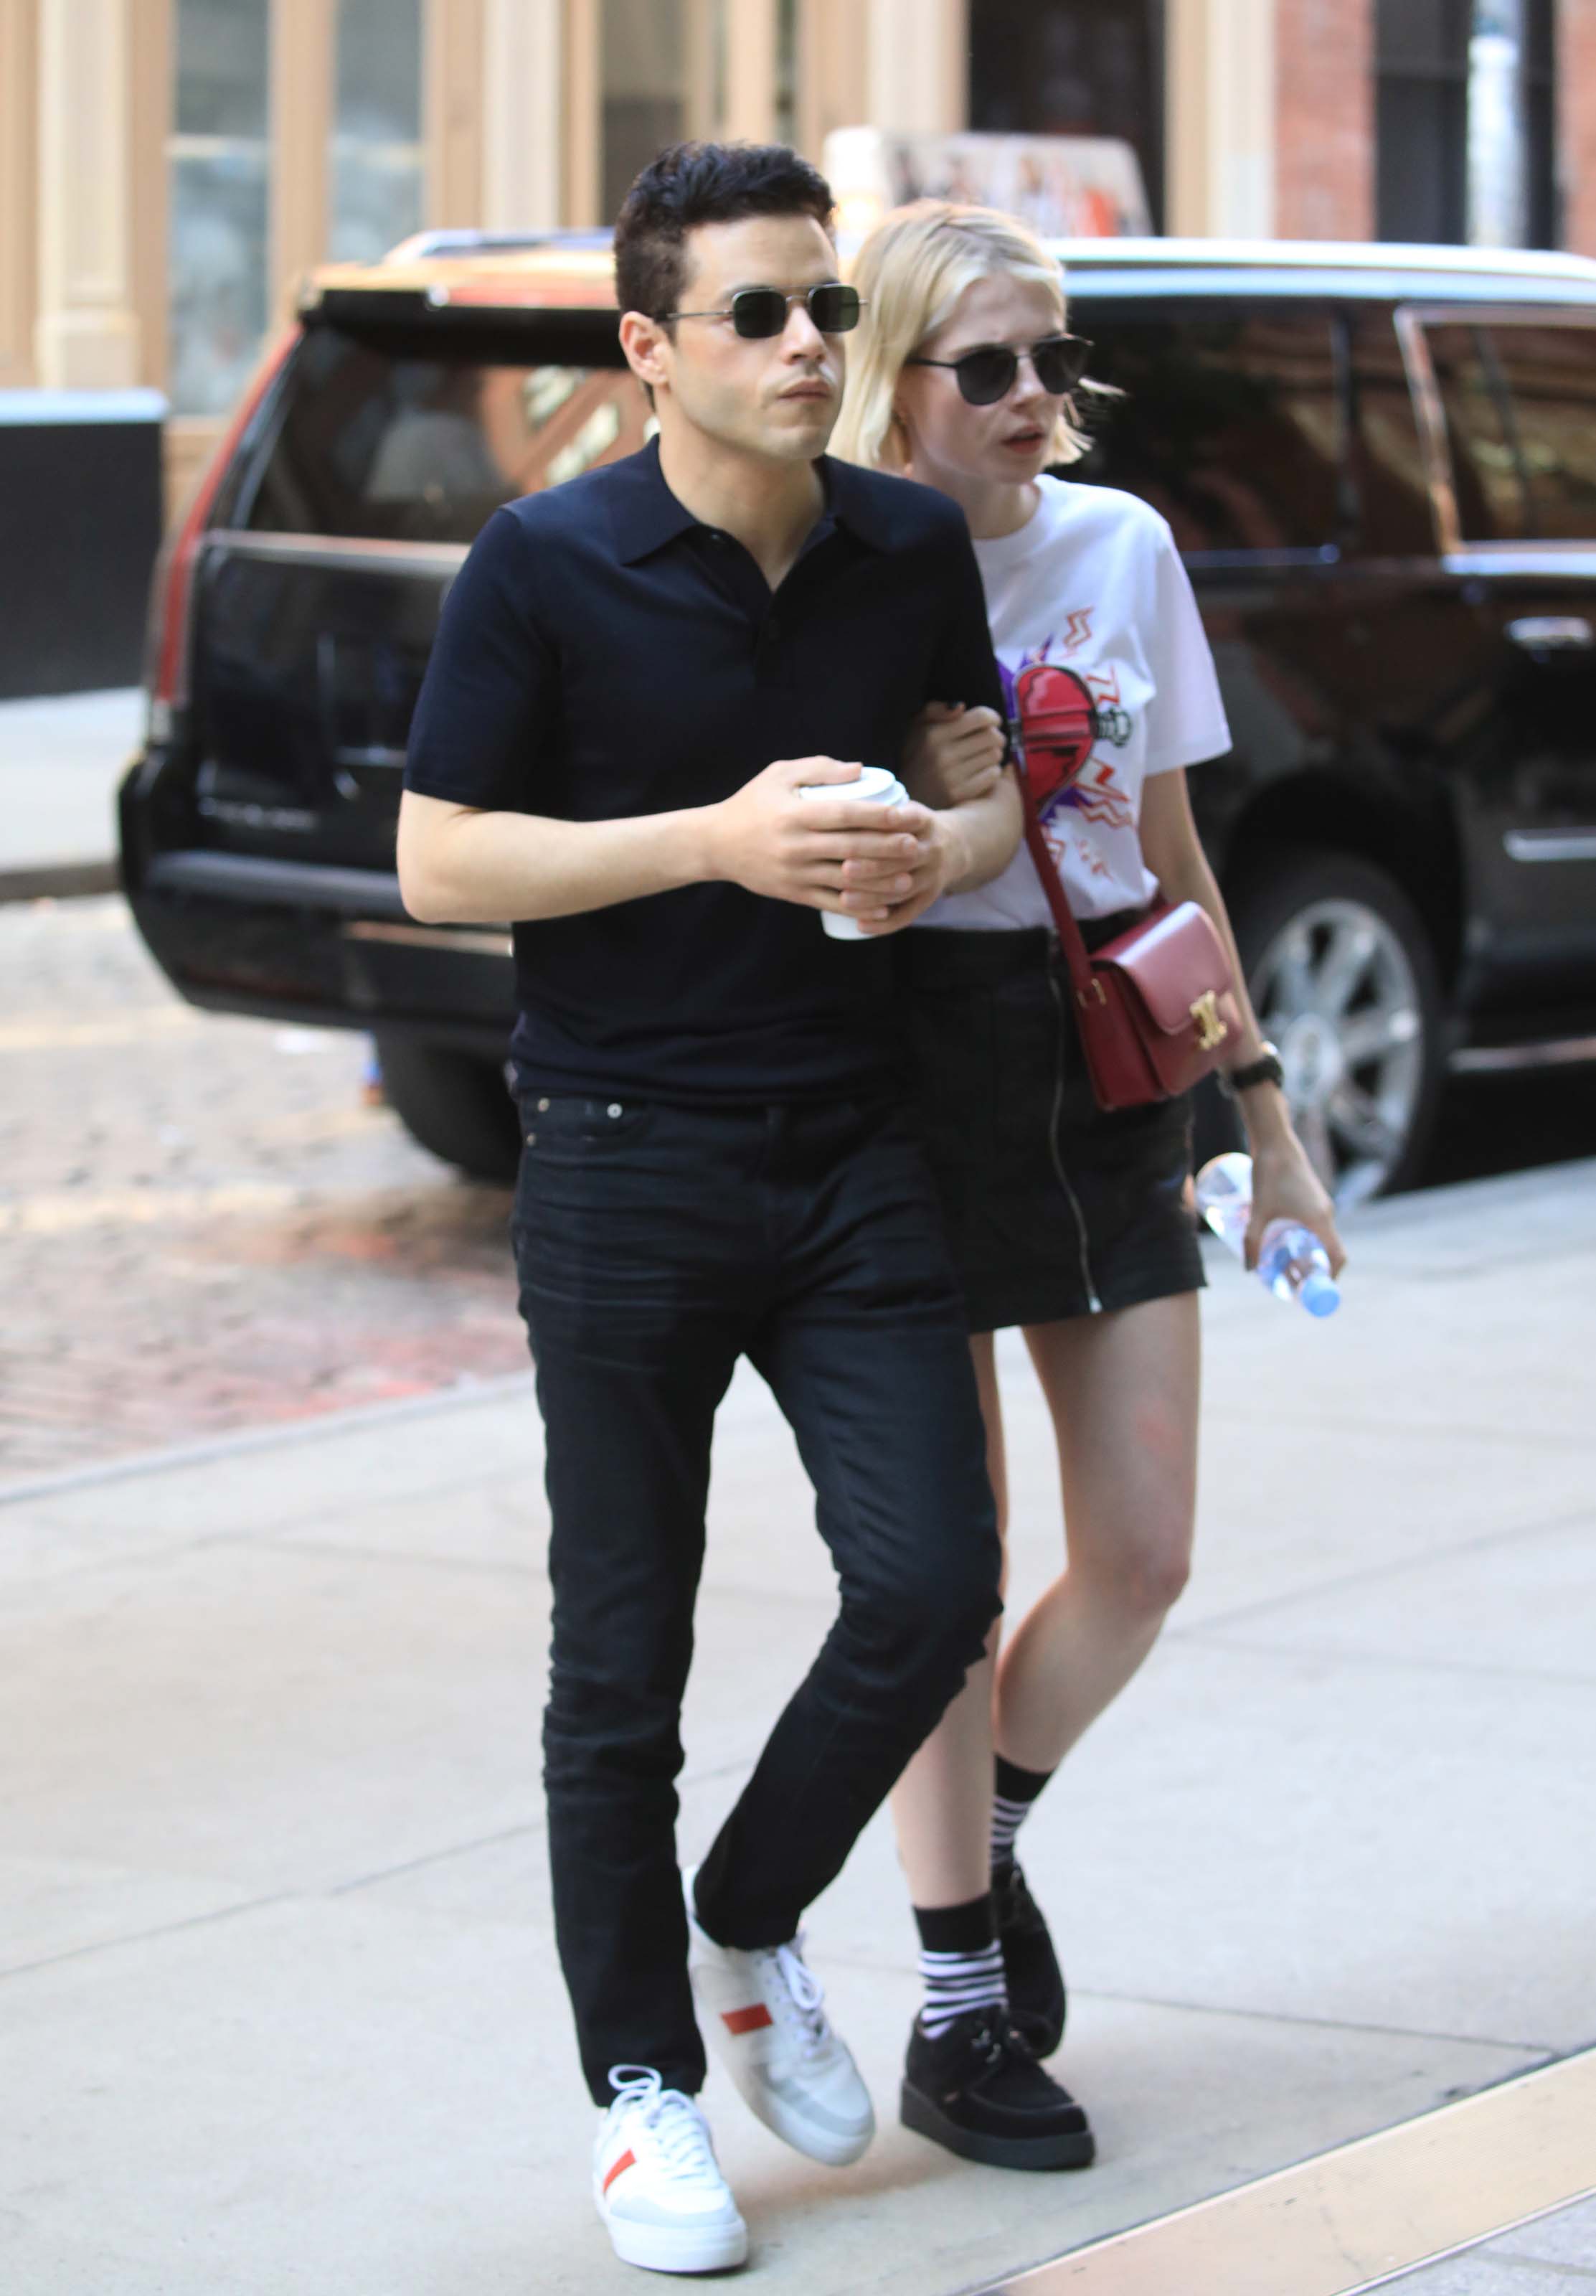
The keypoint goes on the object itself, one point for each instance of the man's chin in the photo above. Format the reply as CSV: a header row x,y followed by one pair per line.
x,y
800,429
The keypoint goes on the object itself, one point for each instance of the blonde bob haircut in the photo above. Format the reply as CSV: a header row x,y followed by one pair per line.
x,y
910,272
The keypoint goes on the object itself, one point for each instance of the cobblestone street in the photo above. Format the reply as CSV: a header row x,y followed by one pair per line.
x,y
202,1227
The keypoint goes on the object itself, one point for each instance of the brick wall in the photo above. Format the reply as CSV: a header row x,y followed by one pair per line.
x,y
1576,122
1324,108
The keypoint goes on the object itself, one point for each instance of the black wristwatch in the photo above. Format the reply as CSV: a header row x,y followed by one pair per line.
x,y
1266,1069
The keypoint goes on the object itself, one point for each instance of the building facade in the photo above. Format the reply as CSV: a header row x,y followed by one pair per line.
x,y
168,168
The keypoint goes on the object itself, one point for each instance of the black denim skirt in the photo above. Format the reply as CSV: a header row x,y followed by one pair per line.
x,y
1052,1208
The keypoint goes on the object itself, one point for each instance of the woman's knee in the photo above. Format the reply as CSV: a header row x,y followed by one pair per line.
x,y
1142,1575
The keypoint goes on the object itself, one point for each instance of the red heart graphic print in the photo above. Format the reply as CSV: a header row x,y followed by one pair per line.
x,y
1058,726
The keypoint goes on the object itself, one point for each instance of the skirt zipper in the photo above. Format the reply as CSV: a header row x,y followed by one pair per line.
x,y
1092,1301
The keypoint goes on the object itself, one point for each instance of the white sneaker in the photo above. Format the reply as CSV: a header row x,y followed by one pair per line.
x,y
657,2184
765,2016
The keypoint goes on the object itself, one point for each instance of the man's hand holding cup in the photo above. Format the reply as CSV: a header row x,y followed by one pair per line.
x,y
829,835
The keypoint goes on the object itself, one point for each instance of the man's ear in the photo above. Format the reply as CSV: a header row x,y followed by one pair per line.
x,y
645,343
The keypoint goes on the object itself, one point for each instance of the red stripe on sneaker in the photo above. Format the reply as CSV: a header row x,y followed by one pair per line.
x,y
626,2161
746,2020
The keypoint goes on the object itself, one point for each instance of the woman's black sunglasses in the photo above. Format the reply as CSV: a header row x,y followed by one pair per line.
x,y
756,311
987,374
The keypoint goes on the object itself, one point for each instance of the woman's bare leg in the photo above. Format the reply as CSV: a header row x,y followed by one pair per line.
x,y
942,1805
1123,1391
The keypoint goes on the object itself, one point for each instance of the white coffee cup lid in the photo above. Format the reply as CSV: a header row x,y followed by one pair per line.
x,y
876,785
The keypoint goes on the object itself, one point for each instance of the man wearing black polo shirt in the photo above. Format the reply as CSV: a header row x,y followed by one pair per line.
x,y
715,1161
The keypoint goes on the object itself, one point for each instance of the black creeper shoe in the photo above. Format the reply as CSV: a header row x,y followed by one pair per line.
x,y
1038,2002
979,2090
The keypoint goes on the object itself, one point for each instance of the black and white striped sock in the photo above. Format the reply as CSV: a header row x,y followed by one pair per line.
x,y
960,1966
1014,1791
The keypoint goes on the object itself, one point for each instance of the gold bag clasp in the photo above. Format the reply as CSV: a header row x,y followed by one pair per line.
x,y
1211,1029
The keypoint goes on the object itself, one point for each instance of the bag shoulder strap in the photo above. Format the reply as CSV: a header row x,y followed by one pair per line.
x,y
1070,939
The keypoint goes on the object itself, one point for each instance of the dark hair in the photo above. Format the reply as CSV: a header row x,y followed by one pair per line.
x,y
691,184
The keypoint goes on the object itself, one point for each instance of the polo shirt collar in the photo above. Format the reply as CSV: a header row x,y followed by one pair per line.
x,y
647,515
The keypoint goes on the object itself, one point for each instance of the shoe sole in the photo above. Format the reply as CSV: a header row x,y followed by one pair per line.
x,y
666,2248
1067,2149
830,2151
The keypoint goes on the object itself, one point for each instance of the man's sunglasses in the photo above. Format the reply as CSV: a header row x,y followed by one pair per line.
x,y
987,374
762,311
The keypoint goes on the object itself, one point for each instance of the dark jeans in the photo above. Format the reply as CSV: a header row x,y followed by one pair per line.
x,y
655,1245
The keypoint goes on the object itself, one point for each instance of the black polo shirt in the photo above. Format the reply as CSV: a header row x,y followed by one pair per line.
x,y
602,654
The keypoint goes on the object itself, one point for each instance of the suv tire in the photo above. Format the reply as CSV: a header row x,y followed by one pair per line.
x,y
456,1105
1344,977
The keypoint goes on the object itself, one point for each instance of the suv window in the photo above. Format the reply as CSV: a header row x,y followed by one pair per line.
x,y
1521,407
415,439
1396,519
1230,425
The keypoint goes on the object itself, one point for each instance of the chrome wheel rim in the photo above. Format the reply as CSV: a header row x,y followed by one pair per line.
x,y
1334,989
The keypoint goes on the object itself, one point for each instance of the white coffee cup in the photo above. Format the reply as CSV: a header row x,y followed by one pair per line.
x,y
876,785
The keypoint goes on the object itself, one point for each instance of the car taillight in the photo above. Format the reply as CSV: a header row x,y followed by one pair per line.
x,y
167,662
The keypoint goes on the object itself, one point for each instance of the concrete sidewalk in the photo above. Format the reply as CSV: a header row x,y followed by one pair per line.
x,y
61,761
282,2006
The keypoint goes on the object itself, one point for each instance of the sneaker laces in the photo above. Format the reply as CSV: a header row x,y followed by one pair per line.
x,y
800,1997
672,2119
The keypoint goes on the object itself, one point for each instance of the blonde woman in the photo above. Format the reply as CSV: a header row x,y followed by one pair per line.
x,y
1066,1222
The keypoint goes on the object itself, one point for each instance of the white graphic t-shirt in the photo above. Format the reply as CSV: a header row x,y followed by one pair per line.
x,y
1107,677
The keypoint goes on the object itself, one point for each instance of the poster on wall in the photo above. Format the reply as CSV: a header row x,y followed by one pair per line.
x,y
1064,187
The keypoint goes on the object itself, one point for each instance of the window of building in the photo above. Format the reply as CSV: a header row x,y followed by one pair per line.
x,y
1519,402
1422,119
375,186
1231,426
1073,68
217,159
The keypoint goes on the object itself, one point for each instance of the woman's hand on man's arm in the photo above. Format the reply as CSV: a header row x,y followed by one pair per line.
x,y
953,754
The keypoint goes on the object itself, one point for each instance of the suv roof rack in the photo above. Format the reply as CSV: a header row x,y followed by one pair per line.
x,y
422,244
1322,254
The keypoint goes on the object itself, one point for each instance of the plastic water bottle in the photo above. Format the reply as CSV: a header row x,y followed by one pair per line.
x,y
1292,1262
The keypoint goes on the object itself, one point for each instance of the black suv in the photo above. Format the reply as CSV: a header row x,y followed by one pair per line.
x,y
1379,462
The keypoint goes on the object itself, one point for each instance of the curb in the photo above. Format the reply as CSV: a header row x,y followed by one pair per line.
x,y
59,880
323,1427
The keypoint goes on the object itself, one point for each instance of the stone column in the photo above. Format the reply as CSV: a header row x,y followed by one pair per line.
x,y
523,60
1220,124
582,143
301,64
751,71
832,47
917,66
19,252
86,336
452,106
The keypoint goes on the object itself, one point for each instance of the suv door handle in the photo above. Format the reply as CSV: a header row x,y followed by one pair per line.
x,y
1552,633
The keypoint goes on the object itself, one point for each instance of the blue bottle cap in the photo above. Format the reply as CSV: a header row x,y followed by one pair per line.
x,y
1320,1295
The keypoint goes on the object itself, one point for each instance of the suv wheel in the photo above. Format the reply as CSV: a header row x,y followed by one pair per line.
x,y
455,1105
1344,980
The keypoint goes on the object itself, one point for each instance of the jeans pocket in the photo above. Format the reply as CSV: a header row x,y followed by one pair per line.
x,y
571,1128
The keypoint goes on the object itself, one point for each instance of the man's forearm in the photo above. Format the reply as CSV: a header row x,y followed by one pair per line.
x,y
458,866
988,830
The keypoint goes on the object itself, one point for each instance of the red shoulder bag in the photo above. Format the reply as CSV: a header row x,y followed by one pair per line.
x,y
1156,1006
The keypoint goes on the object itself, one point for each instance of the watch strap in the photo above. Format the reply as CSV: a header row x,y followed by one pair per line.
x,y
1266,1069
